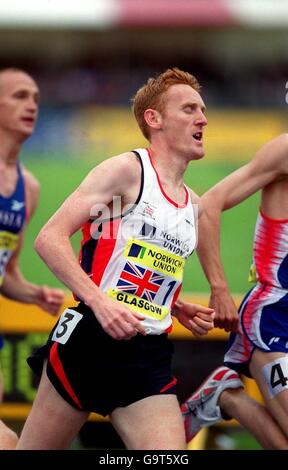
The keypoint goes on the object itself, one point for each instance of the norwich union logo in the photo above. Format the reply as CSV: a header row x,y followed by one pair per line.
x,y
153,257
136,251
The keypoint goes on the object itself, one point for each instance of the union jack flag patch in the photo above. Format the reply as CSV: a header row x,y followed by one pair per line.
x,y
139,281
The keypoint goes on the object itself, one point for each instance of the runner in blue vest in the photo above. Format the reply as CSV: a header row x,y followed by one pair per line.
x,y
19,96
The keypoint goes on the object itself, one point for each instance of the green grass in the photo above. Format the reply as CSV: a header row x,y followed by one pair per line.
x,y
231,438
59,178
244,441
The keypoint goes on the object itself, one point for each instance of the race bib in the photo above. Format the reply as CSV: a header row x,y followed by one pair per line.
x,y
159,312
67,323
252,274
154,258
8,244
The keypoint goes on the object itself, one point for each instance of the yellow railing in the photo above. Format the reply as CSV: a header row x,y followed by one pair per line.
x,y
16,317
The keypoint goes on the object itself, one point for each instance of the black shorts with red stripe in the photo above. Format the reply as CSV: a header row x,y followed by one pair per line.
x,y
94,372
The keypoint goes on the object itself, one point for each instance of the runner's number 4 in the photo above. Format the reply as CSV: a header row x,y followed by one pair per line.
x,y
277,376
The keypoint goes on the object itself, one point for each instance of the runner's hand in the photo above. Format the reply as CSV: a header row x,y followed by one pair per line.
x,y
117,320
196,318
49,299
226,313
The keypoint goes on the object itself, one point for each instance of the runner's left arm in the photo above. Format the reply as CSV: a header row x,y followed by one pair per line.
x,y
196,318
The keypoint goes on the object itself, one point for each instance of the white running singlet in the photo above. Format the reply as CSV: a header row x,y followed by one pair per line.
x,y
138,259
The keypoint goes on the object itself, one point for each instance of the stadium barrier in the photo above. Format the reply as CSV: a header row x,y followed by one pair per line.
x,y
87,131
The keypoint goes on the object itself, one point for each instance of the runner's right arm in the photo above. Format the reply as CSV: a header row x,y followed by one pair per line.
x,y
53,242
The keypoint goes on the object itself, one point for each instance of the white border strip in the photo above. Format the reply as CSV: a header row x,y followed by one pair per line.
x,y
62,13
260,13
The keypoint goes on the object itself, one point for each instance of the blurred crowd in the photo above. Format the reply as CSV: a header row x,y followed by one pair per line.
x,y
102,83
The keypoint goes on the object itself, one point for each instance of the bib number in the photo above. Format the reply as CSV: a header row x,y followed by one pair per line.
x,y
67,323
275,374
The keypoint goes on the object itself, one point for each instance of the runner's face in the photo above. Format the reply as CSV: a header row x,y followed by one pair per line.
x,y
183,120
19,96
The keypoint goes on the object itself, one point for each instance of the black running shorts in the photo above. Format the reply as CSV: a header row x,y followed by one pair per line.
x,y
94,372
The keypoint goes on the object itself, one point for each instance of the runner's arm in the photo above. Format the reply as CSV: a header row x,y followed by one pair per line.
x,y
94,195
269,164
